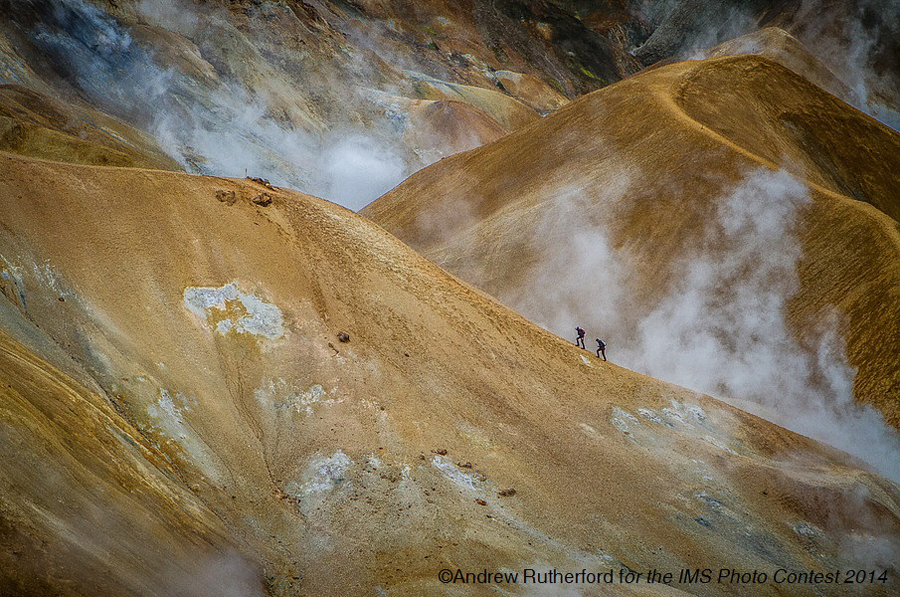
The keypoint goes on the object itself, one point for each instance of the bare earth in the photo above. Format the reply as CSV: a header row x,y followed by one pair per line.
x,y
176,404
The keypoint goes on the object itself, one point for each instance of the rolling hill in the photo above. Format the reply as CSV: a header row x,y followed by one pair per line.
x,y
727,209
213,384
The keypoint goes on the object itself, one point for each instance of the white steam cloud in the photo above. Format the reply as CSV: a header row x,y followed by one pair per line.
x,y
211,575
580,274
234,133
359,170
856,40
855,59
722,328
866,37
173,15
851,46
215,122
351,169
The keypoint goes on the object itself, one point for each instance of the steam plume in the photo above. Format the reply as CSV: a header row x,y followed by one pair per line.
x,y
722,327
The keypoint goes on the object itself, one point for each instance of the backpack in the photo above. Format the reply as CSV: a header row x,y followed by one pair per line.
x,y
580,332
601,344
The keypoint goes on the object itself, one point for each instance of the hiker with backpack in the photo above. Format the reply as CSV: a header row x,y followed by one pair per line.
x,y
601,348
580,340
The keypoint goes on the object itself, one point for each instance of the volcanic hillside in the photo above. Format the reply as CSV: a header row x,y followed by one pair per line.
x,y
693,163
312,93
210,384
781,47
859,40
316,93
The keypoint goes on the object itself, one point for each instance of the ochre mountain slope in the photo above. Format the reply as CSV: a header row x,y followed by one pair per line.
x,y
530,90
439,127
508,112
294,79
88,506
859,40
648,161
780,46
36,125
192,323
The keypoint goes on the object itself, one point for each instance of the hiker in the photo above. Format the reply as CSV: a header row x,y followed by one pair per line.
x,y
580,340
601,348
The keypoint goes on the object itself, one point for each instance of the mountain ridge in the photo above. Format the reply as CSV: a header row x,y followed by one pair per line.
x,y
224,358
465,215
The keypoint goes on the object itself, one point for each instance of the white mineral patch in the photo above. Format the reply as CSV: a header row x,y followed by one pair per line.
x,y
708,500
46,276
805,529
673,416
259,318
323,474
167,414
167,405
314,394
718,443
586,361
588,429
224,326
696,413
283,394
650,415
622,420
453,473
